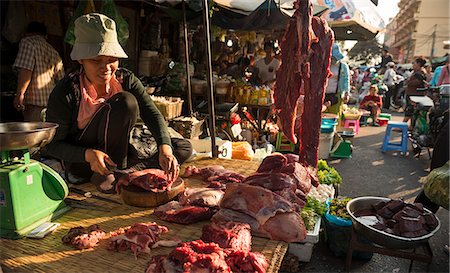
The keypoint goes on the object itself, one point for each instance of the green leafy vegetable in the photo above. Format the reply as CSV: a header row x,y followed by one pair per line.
x,y
338,207
322,165
318,207
309,218
329,177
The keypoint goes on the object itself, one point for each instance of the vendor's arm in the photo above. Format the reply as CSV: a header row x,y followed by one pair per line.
x,y
61,110
24,79
363,103
379,101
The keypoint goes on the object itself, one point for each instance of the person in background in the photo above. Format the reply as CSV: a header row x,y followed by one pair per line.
x,y
39,69
338,86
385,59
444,78
237,70
372,103
96,107
416,80
429,71
267,67
389,80
437,72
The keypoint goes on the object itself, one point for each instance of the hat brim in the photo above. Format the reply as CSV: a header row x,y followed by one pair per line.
x,y
82,51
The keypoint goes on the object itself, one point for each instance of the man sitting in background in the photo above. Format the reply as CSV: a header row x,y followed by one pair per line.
x,y
372,103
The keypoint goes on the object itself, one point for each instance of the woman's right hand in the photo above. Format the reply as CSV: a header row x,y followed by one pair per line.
x,y
98,160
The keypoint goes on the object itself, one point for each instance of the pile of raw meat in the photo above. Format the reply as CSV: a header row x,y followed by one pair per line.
x,y
270,200
154,180
194,205
215,175
227,250
84,238
401,219
302,78
140,237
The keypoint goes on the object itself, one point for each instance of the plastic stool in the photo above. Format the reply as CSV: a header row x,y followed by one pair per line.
x,y
283,144
352,123
403,145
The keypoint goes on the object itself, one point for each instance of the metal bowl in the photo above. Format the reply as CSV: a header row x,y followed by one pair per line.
x,y
380,237
25,135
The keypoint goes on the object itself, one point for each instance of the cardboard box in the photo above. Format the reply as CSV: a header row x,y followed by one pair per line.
x,y
204,146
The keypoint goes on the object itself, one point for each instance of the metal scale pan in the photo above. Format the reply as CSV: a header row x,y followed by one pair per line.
x,y
25,135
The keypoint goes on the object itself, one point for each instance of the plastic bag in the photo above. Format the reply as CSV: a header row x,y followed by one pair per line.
x,y
242,150
110,10
437,186
84,7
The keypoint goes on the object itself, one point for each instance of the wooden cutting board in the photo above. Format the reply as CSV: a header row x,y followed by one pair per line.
x,y
137,197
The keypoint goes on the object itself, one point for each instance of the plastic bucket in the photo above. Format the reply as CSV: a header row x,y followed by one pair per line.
x,y
325,144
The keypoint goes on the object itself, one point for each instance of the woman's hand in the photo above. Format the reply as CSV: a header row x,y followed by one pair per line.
x,y
168,162
18,102
98,160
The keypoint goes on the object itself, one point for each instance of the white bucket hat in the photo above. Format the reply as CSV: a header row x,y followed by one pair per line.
x,y
95,35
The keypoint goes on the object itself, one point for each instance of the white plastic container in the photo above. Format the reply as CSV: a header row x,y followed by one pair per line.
x,y
303,250
325,144
204,146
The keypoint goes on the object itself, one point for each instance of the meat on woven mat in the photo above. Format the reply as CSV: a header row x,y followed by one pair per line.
x,y
232,235
294,53
139,238
215,175
255,201
198,256
204,197
84,238
177,213
154,180
320,57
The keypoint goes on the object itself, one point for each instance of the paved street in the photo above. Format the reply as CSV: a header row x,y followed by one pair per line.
x,y
372,173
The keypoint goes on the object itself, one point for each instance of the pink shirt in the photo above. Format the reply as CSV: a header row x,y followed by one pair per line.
x,y
89,103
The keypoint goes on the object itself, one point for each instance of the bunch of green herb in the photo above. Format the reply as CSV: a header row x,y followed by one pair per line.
x,y
338,207
329,177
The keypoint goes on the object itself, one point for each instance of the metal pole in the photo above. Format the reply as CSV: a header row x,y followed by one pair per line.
x,y
186,53
433,41
209,78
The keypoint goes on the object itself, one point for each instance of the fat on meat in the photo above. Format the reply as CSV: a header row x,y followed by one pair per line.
x,y
295,47
314,92
154,180
84,238
288,227
229,215
217,176
177,213
229,235
204,197
139,238
255,201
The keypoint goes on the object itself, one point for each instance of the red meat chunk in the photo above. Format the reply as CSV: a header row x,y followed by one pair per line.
x,y
228,235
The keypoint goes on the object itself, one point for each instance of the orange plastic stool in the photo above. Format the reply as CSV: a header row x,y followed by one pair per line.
x,y
352,123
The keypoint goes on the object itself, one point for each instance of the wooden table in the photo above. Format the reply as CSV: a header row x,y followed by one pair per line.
x,y
51,255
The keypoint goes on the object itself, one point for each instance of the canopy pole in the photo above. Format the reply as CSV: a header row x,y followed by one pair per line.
x,y
209,78
187,53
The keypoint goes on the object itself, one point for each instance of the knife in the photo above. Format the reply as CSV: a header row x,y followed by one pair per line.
x,y
88,194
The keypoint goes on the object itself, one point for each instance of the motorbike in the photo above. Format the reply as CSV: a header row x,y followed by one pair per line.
x,y
397,97
430,111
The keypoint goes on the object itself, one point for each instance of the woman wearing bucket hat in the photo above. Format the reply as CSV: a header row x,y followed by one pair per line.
x,y
96,107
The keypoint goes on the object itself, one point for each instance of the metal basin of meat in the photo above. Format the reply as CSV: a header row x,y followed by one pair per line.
x,y
380,237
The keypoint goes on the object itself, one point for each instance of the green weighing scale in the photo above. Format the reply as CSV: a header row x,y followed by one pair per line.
x,y
31,193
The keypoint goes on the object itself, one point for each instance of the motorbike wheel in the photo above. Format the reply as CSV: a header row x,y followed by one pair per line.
x,y
393,103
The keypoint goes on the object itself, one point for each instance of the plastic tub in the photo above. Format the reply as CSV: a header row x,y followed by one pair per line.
x,y
327,128
325,144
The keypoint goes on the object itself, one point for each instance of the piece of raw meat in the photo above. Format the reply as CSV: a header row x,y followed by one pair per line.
x,y
272,162
139,238
228,235
154,180
288,227
272,181
84,238
314,88
294,57
291,158
297,198
255,201
217,176
248,262
176,213
228,215
197,255
204,197
300,174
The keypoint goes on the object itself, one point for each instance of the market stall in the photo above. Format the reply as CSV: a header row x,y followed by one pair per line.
x,y
51,255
